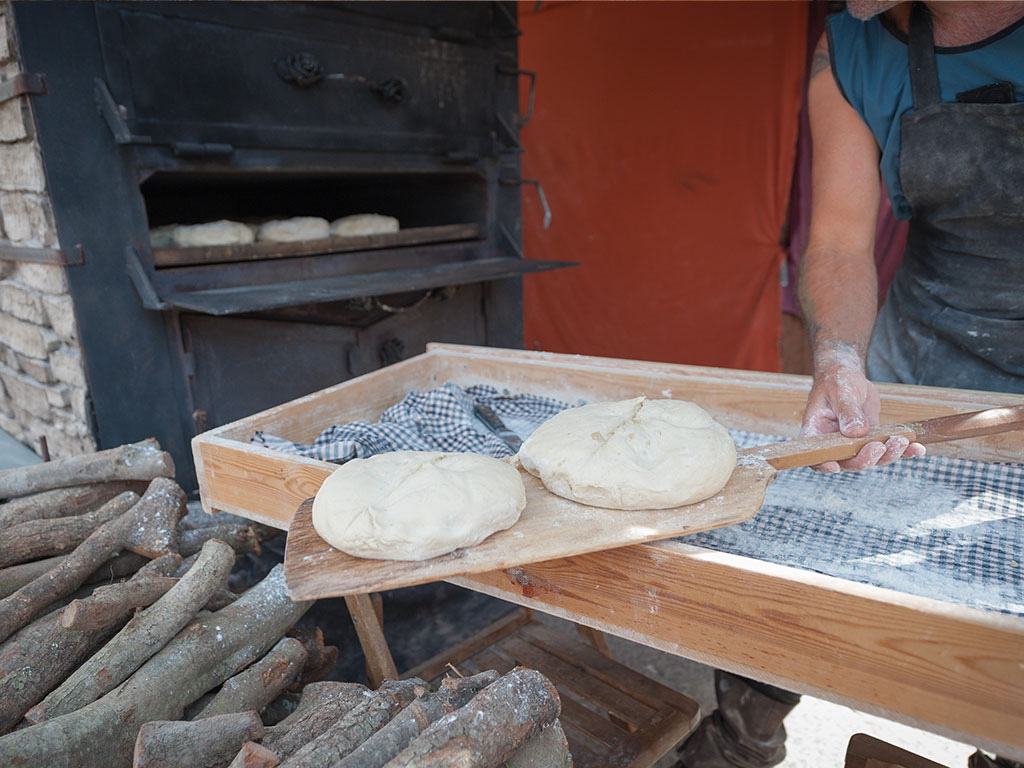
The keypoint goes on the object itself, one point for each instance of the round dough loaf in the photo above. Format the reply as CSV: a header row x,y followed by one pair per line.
x,y
221,232
294,230
414,505
631,454
364,224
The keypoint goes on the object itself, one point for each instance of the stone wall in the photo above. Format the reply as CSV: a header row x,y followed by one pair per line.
x,y
43,388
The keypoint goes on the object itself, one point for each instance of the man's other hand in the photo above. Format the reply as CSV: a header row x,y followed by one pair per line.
x,y
843,400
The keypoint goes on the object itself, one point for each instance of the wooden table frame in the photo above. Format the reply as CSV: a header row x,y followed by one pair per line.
x,y
940,666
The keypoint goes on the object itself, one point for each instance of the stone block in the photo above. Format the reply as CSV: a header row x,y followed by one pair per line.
x,y
9,358
59,396
28,220
26,338
39,370
80,404
48,278
21,167
23,303
12,427
12,120
6,267
66,364
60,312
26,393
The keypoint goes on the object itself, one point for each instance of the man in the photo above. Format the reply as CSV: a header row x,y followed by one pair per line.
x,y
928,94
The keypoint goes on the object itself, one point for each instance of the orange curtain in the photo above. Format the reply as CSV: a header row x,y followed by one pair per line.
x,y
664,136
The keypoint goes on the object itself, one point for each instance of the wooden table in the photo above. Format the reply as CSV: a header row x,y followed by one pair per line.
x,y
940,666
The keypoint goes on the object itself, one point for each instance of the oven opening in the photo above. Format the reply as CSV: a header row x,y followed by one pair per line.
x,y
252,216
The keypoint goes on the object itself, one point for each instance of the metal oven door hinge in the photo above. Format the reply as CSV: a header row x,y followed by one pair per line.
x,y
116,116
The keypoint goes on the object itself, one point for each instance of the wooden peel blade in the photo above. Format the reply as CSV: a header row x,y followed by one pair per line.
x,y
810,451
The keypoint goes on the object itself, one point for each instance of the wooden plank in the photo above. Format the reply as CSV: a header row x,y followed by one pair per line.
x,y
180,257
258,297
598,727
950,669
435,665
574,678
660,734
314,569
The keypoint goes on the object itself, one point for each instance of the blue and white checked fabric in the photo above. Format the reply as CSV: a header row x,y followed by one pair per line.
x,y
440,419
948,529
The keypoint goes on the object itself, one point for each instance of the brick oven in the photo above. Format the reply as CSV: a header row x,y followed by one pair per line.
x,y
120,119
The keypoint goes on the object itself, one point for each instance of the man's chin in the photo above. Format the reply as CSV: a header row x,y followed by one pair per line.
x,y
866,9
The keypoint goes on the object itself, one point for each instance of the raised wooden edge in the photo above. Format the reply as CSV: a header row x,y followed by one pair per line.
x,y
947,668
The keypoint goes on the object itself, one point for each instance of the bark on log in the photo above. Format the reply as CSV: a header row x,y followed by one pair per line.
x,y
408,724
102,734
344,735
106,602
253,755
320,659
38,658
118,567
490,728
329,700
241,539
202,519
548,749
161,508
143,636
17,609
36,539
194,743
138,461
260,684
65,502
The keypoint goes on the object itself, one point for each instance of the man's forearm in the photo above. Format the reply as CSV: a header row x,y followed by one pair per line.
x,y
838,293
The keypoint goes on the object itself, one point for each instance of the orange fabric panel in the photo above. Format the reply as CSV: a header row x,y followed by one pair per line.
x,y
664,136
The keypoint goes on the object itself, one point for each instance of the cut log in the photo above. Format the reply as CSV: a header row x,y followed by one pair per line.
x,y
261,683
201,657
253,755
138,461
119,566
320,659
199,518
161,509
329,700
194,743
408,724
17,609
65,502
38,658
548,749
37,539
344,735
490,728
241,539
95,611
144,635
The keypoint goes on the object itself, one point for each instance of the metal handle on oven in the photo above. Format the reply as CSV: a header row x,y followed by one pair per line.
x,y
303,70
507,70
540,194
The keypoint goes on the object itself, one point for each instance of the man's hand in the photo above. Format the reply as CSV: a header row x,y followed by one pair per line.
x,y
843,400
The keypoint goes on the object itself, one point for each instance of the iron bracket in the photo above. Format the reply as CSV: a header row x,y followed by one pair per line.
x,y
504,69
21,83
116,116
140,280
62,257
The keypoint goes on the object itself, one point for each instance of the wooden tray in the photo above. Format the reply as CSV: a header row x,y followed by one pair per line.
x,y
550,527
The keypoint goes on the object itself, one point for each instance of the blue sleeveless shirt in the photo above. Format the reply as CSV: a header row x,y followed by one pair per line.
x,y
869,62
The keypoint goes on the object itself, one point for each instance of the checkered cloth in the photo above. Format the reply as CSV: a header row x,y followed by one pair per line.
x,y
948,529
437,420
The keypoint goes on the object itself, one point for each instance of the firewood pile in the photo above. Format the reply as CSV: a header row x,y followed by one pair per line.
x,y
122,644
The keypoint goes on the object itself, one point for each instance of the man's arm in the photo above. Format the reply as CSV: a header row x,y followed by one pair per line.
x,y
838,281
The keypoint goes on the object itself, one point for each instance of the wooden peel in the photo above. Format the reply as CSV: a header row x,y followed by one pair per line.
x,y
810,451
551,527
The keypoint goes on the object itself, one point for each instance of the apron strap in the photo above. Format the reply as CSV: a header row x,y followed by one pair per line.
x,y
924,74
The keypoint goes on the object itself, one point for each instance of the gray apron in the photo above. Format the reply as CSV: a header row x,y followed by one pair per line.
x,y
954,314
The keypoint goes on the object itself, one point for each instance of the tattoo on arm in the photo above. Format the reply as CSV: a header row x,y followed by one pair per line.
x,y
820,62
